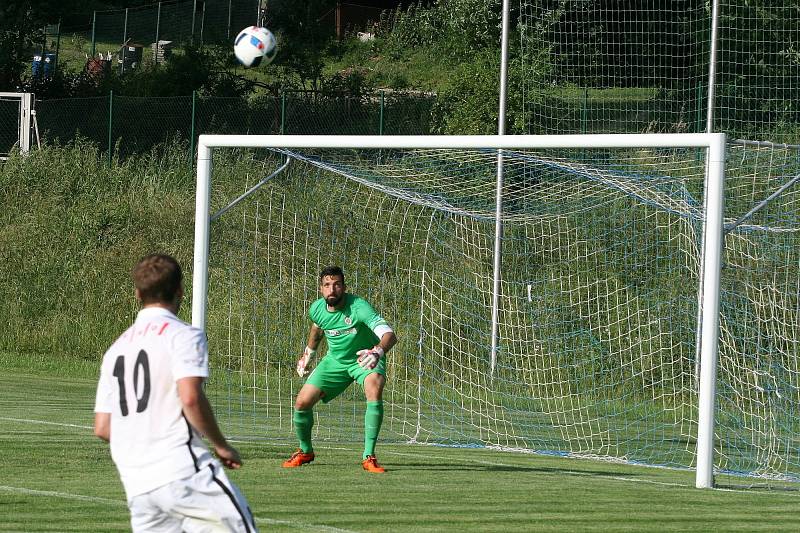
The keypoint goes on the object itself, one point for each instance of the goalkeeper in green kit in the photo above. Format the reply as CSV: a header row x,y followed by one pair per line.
x,y
358,338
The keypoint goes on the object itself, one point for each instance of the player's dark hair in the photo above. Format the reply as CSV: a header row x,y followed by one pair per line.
x,y
331,271
158,278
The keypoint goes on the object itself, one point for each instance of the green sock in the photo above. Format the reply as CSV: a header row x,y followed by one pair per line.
x,y
303,422
373,418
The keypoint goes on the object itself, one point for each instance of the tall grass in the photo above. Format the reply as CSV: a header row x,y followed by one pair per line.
x,y
71,228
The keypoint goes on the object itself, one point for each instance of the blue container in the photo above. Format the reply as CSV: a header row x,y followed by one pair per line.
x,y
43,65
36,66
49,65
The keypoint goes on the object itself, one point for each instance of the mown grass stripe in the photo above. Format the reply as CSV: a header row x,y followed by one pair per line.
x,y
120,503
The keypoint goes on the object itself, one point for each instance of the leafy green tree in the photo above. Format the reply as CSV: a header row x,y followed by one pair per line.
x,y
304,33
758,75
470,104
203,69
457,26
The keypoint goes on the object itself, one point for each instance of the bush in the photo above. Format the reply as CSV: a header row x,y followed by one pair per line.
x,y
470,105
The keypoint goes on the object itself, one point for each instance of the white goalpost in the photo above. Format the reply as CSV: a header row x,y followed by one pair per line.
x,y
586,366
17,116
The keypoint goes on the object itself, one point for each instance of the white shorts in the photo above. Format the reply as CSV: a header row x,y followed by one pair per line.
x,y
204,502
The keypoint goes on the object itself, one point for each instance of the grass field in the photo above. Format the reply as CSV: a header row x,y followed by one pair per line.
x,y
58,477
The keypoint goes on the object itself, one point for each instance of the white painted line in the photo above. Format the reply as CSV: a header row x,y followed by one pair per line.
x,y
29,421
66,495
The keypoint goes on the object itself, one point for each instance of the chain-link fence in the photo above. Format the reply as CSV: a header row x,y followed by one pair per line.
x,y
177,21
151,31
129,125
139,123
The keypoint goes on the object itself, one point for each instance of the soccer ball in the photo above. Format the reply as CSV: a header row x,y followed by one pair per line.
x,y
255,46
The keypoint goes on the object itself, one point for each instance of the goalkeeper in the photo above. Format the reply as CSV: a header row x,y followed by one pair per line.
x,y
358,338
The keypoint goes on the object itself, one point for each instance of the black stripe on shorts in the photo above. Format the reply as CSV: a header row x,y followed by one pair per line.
x,y
232,498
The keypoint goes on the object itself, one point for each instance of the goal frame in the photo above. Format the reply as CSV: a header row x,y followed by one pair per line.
x,y
25,121
709,284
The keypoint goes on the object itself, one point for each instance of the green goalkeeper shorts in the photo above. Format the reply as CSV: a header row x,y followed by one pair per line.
x,y
333,377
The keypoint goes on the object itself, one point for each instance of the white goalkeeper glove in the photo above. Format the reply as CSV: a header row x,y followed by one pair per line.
x,y
369,358
302,363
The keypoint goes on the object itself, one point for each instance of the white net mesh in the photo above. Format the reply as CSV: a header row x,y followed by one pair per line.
x,y
758,386
597,311
598,302
612,67
598,299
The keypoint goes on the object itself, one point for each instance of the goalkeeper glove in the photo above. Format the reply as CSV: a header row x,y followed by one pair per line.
x,y
308,355
368,359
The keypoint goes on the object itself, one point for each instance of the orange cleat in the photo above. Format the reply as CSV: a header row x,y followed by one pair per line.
x,y
298,458
370,464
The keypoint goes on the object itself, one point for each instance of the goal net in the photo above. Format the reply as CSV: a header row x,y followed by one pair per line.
x,y
758,390
621,67
597,310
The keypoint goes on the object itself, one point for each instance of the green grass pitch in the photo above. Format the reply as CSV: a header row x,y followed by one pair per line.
x,y
58,477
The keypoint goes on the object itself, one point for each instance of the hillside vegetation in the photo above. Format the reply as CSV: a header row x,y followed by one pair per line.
x,y
71,228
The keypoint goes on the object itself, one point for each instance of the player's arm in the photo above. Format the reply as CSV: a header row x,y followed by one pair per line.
x,y
315,335
103,402
386,340
197,410
102,426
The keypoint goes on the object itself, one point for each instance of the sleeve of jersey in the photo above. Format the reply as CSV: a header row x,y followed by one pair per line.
x,y
312,311
373,320
190,354
104,399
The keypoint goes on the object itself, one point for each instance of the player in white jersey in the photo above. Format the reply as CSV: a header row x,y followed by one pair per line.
x,y
151,407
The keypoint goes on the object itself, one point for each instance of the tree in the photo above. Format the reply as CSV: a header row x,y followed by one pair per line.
x,y
22,31
304,33
759,69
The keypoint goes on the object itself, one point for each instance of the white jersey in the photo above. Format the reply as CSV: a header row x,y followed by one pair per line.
x,y
152,443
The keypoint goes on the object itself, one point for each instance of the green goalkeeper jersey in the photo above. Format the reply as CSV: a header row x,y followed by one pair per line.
x,y
348,329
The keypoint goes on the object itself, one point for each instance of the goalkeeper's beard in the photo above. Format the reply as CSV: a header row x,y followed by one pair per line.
x,y
333,301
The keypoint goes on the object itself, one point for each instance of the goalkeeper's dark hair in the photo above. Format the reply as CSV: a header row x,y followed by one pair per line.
x,y
331,271
158,278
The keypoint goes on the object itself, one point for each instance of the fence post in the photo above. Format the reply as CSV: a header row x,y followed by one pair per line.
x,y
699,126
158,33
380,123
283,112
94,26
228,31
125,28
584,109
58,46
698,154
194,16
192,136
110,125
202,22
122,52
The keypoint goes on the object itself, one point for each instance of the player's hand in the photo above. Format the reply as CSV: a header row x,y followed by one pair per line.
x,y
228,456
302,363
368,359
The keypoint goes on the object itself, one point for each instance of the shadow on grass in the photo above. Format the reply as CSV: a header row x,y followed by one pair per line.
x,y
757,487
465,467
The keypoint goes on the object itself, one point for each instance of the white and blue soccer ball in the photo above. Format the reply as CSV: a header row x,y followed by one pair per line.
x,y
255,46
